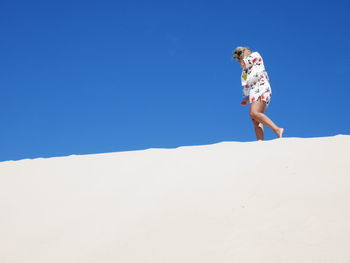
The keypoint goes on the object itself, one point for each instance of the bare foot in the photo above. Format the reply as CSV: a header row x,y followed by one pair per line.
x,y
280,132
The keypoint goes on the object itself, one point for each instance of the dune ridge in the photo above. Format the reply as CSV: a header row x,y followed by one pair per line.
x,y
284,200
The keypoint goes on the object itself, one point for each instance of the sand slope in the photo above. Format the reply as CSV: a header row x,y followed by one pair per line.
x,y
285,200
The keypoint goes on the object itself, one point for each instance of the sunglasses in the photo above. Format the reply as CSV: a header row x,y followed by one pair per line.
x,y
237,54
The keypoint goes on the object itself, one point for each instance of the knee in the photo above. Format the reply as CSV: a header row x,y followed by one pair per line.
x,y
253,114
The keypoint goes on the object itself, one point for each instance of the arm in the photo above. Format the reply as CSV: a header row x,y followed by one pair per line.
x,y
255,66
245,91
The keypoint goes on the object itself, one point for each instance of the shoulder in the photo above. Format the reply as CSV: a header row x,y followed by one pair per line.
x,y
250,59
253,59
255,55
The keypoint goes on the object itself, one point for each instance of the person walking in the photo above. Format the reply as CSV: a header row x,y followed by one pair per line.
x,y
256,90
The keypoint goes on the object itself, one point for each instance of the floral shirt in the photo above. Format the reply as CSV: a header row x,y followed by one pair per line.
x,y
255,80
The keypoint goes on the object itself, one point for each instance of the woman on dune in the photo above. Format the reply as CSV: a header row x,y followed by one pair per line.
x,y
256,90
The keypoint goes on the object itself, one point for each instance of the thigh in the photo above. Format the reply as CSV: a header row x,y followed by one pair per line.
x,y
258,106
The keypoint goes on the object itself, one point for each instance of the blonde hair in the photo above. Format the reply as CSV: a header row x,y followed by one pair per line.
x,y
238,52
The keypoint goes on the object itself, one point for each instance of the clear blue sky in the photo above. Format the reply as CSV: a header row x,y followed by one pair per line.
x,y
82,77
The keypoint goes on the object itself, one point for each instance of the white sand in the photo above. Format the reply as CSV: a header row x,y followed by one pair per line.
x,y
285,200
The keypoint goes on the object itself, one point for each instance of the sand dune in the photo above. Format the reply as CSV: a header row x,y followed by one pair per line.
x,y
285,200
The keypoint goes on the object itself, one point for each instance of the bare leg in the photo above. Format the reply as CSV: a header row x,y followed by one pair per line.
x,y
257,109
259,130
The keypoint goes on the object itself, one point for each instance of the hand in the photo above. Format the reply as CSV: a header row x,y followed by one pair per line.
x,y
244,102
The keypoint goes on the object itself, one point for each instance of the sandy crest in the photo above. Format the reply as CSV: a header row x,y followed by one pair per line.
x,y
285,200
